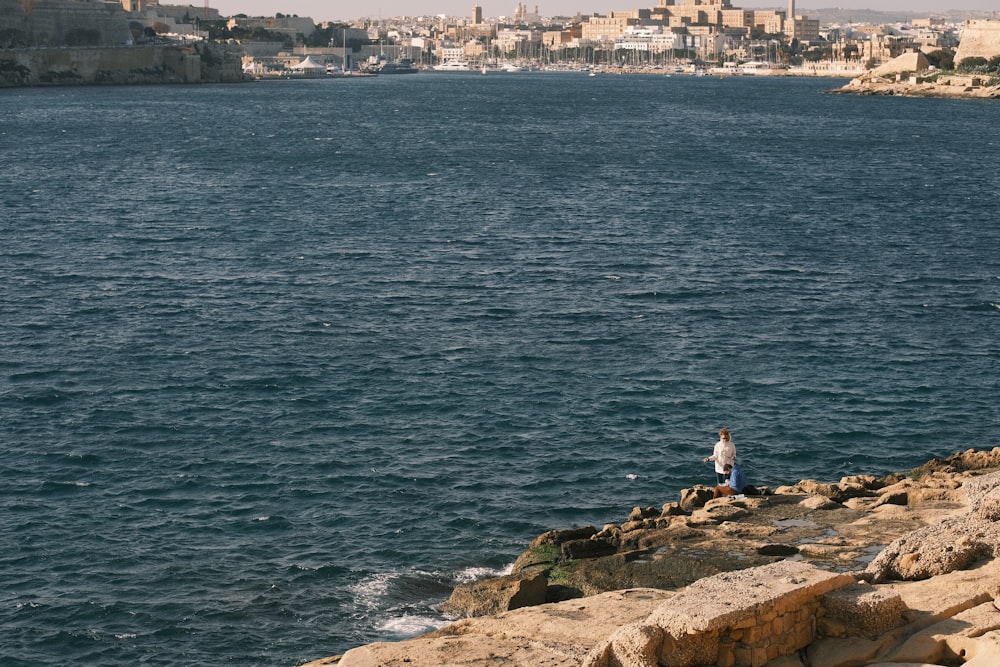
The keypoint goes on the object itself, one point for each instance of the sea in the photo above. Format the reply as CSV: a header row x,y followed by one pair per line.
x,y
284,362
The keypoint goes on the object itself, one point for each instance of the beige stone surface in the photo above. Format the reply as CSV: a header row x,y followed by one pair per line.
x,y
913,61
979,38
986,652
951,639
555,634
583,622
456,651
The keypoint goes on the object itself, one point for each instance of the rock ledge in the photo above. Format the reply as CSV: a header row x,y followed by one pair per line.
x,y
930,597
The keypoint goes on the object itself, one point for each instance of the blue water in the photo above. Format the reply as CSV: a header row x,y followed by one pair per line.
x,y
282,362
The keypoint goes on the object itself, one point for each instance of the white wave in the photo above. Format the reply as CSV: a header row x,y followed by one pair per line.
x,y
372,589
410,625
471,574
631,475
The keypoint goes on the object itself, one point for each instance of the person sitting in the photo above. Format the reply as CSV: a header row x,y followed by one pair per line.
x,y
737,482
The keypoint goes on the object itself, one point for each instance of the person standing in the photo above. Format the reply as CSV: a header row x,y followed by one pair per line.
x,y
723,454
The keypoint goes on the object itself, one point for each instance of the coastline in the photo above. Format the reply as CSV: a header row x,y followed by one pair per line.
x,y
864,571
949,87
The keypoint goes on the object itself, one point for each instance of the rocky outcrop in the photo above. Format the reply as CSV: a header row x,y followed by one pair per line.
x,y
496,595
910,75
928,85
954,544
796,584
737,618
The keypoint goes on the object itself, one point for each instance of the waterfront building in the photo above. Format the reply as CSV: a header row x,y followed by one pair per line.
x,y
736,18
554,39
450,52
650,39
769,21
288,25
802,28
604,28
514,40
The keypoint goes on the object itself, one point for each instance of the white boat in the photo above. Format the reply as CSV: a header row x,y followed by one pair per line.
x,y
452,66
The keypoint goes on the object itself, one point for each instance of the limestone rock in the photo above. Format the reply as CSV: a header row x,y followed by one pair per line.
x,y
546,549
453,651
717,512
840,652
985,652
560,536
733,618
672,509
818,502
895,498
951,639
692,499
988,507
640,513
933,552
861,610
978,488
953,544
849,488
493,596
592,548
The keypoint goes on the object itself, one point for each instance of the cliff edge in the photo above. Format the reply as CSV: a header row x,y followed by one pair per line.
x,y
891,572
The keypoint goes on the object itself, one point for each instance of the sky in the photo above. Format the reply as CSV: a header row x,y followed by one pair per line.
x,y
349,10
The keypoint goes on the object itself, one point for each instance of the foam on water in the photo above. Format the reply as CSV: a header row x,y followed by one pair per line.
x,y
408,625
471,574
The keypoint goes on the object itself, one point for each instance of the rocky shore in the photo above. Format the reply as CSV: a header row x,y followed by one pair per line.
x,y
910,75
956,87
900,571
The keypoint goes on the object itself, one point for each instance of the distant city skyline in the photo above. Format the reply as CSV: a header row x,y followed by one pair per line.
x,y
350,10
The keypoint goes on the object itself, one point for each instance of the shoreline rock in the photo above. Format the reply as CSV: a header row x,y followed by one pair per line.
x,y
951,87
860,572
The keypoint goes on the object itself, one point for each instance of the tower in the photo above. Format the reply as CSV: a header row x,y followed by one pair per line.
x,y
791,9
477,15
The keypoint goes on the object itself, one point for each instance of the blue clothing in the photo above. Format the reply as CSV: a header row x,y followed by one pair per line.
x,y
736,479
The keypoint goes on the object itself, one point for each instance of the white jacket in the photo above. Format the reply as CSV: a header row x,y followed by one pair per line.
x,y
724,452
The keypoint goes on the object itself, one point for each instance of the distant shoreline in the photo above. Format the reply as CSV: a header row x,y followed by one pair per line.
x,y
944,87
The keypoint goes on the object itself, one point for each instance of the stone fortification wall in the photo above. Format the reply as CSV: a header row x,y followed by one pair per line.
x,y
26,23
151,64
980,38
123,65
